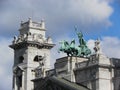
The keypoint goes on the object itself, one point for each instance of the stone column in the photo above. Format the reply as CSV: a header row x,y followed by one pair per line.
x,y
23,88
112,83
72,62
15,82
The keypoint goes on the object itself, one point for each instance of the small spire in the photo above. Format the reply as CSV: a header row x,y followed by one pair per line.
x,y
42,20
30,18
30,21
21,23
42,24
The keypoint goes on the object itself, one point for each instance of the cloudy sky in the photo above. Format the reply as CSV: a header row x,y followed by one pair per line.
x,y
95,18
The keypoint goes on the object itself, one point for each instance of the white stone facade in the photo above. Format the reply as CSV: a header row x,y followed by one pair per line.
x,y
64,67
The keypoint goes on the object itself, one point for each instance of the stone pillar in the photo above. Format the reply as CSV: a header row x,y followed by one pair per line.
x,y
42,24
112,82
15,83
23,88
105,73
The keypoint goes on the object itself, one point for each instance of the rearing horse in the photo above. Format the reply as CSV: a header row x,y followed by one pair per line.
x,y
65,47
76,51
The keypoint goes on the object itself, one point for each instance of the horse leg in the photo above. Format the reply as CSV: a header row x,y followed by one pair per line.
x,y
68,54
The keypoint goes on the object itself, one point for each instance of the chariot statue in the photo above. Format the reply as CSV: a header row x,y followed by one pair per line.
x,y
71,49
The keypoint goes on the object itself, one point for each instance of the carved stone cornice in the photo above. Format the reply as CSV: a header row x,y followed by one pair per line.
x,y
31,44
94,66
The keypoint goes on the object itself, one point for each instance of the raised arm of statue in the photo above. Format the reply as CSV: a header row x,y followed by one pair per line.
x,y
80,35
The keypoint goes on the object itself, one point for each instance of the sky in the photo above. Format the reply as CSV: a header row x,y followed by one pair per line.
x,y
95,18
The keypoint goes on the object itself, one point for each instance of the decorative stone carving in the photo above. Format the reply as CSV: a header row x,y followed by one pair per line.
x,y
49,40
15,39
19,39
97,46
40,70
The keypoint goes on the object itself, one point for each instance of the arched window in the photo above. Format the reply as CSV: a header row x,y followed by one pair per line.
x,y
38,58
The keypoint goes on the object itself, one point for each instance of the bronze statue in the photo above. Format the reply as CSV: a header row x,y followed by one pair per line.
x,y
81,40
71,50
65,47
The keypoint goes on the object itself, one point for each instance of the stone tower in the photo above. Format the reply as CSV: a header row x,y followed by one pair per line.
x,y
30,47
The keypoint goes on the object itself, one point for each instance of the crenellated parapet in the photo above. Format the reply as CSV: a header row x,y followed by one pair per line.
x,y
32,34
32,24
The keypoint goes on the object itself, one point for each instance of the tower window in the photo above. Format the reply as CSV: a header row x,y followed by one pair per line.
x,y
21,58
38,58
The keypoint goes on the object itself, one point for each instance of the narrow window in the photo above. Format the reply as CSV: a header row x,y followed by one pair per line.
x,y
21,58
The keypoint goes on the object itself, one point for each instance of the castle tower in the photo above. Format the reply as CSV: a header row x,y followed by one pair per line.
x,y
29,47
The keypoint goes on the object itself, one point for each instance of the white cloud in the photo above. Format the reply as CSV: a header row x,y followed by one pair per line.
x,y
110,46
58,14
90,44
95,11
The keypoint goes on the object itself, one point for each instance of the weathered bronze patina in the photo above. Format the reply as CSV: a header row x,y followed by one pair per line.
x,y
72,50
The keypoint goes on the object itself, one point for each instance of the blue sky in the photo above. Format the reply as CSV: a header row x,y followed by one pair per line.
x,y
95,18
114,29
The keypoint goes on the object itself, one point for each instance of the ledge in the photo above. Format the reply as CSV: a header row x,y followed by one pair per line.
x,y
32,44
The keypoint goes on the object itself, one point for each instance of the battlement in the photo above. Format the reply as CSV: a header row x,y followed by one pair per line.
x,y
32,32
32,24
